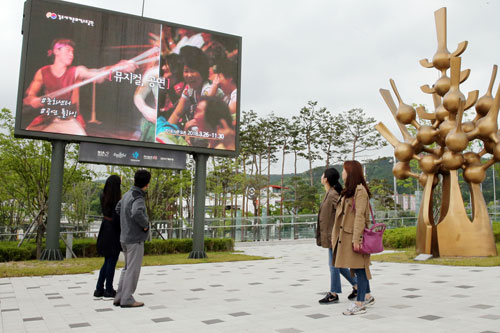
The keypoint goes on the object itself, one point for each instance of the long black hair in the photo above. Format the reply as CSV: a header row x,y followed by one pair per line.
x,y
332,177
111,195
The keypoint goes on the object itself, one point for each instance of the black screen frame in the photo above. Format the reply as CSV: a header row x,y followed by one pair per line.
x,y
22,133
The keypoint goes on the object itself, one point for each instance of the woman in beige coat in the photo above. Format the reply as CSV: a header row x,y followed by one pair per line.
x,y
351,218
326,218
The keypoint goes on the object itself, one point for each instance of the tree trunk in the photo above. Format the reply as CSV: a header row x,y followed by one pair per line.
x,y
282,178
40,231
310,162
328,151
268,211
295,185
354,148
243,198
259,201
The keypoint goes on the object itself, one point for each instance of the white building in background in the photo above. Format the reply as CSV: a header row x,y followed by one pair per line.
x,y
406,201
274,199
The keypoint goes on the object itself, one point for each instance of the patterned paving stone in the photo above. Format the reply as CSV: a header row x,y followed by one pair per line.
x,y
289,330
372,316
317,316
157,307
239,314
490,316
400,306
77,325
33,319
162,320
103,310
430,317
482,306
212,321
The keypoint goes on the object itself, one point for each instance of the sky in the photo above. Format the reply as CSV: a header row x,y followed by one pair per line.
x,y
337,52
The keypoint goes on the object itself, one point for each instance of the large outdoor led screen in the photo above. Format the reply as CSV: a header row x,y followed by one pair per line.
x,y
93,75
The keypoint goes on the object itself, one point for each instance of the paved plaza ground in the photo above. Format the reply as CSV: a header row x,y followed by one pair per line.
x,y
279,295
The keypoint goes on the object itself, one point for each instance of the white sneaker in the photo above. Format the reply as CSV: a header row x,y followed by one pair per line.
x,y
354,310
370,301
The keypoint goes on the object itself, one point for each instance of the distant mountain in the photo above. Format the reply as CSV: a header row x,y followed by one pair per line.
x,y
382,169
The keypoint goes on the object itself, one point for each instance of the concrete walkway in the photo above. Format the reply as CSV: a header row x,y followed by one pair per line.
x,y
279,295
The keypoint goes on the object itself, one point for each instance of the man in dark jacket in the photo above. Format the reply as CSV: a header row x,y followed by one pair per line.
x,y
134,225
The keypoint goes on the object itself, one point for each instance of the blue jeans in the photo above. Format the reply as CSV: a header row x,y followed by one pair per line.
x,y
107,273
363,284
335,272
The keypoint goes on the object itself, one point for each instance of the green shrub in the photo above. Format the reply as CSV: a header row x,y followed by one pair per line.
x,y
405,237
15,253
400,237
84,247
158,246
496,231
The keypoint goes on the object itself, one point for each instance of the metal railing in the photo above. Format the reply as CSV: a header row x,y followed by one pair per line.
x,y
238,228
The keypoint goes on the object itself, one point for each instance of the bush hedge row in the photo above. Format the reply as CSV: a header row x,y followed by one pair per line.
x,y
393,239
405,237
87,248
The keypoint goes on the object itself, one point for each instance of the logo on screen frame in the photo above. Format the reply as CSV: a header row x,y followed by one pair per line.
x,y
54,16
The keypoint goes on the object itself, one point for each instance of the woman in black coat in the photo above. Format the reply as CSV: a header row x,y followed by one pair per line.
x,y
108,241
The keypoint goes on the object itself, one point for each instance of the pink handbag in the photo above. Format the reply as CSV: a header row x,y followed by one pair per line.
x,y
372,238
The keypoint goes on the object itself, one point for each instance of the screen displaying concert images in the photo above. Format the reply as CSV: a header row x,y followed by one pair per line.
x,y
93,75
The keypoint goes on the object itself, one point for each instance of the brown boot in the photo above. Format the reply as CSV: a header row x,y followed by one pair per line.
x,y
133,305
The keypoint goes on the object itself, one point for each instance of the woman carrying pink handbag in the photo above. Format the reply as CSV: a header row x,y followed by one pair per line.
x,y
347,234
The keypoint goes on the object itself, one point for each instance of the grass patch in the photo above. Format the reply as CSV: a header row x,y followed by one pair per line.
x,y
408,254
88,265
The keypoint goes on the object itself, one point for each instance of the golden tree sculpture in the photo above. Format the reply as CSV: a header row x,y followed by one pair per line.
x,y
440,149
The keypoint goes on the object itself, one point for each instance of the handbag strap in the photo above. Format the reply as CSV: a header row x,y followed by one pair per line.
x,y
371,212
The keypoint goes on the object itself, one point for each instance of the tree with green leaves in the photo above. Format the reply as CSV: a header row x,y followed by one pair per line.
x,y
382,193
284,141
330,138
309,123
253,147
25,166
358,134
270,136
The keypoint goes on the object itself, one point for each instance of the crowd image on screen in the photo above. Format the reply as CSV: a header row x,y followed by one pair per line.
x,y
203,77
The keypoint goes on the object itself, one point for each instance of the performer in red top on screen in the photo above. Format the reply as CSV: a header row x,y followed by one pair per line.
x,y
58,107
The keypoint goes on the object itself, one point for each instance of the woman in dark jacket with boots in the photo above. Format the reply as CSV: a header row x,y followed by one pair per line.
x,y
108,241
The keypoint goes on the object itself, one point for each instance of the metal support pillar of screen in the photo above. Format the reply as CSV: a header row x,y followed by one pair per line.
x,y
52,251
199,206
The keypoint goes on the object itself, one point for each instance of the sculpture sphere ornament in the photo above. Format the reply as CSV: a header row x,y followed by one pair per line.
x,y
440,147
